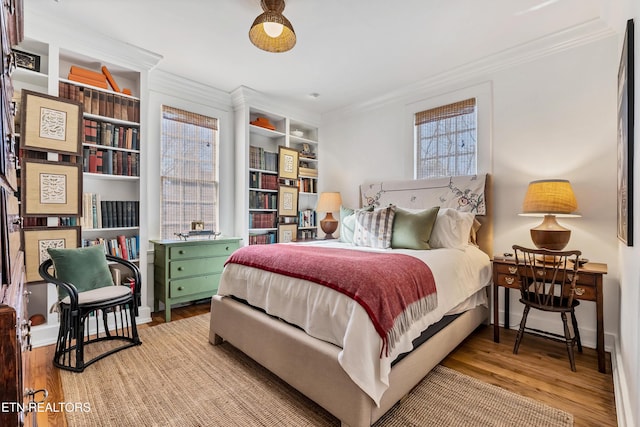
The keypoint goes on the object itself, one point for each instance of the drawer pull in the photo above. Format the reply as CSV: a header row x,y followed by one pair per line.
x,y
540,273
513,269
181,252
579,291
179,268
509,280
227,249
180,288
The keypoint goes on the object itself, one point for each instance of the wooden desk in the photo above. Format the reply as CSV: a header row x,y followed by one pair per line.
x,y
588,288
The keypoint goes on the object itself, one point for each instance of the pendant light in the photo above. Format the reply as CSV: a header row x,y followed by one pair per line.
x,y
271,31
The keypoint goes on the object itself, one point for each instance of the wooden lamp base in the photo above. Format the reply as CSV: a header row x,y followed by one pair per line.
x,y
329,225
550,235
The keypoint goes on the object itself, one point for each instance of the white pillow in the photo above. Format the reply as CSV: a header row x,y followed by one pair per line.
x,y
452,229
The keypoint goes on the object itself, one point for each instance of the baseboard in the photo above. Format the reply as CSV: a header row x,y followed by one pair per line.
x,y
43,335
621,388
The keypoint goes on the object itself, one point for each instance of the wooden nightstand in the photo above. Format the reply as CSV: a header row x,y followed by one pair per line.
x,y
588,288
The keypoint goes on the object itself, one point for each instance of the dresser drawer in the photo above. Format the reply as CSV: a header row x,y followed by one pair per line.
x,y
508,280
201,251
509,269
194,285
196,267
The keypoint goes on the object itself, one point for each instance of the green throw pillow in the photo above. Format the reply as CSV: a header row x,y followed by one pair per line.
x,y
412,230
85,268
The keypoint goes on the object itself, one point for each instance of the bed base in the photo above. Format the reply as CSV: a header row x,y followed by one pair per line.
x,y
311,365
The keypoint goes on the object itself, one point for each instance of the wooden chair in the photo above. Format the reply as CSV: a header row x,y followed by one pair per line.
x,y
547,282
105,314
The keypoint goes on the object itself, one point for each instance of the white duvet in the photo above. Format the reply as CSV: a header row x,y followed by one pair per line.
x,y
333,317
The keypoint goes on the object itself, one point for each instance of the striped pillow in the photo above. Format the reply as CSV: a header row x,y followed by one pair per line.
x,y
373,229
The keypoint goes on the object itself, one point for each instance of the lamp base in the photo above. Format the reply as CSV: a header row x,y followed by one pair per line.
x,y
550,235
329,225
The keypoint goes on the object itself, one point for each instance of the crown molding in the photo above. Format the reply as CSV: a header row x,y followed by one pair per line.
x,y
47,28
579,35
244,96
175,85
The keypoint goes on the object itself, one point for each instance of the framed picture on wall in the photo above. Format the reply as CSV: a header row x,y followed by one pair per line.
x,y
50,124
287,232
625,138
51,188
287,200
287,163
38,240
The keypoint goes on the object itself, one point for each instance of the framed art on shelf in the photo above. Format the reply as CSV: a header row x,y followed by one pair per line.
x,y
287,163
51,124
38,240
625,138
287,232
26,60
287,200
51,188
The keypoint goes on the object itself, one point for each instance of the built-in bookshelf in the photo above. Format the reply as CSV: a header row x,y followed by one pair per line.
x,y
261,132
112,150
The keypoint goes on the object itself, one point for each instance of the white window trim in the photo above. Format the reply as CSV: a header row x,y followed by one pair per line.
x,y
483,93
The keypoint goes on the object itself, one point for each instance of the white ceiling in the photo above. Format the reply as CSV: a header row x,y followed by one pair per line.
x,y
347,51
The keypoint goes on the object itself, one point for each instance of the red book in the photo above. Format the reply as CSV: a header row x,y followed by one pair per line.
x,y
122,245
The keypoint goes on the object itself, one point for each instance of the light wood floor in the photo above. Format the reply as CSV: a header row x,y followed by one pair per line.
x,y
540,371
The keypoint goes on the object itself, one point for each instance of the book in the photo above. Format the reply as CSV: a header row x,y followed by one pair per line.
x,y
110,79
87,81
79,71
122,246
86,99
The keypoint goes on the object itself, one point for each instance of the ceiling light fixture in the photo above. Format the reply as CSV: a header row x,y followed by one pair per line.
x,y
271,31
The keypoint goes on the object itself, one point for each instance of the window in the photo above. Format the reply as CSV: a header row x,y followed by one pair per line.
x,y
188,171
446,140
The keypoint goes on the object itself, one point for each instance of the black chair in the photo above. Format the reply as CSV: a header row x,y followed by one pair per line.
x,y
107,313
547,282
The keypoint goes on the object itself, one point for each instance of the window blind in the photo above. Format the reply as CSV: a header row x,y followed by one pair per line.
x,y
446,141
188,171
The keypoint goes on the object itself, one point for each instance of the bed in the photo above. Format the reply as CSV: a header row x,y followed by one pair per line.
x,y
341,361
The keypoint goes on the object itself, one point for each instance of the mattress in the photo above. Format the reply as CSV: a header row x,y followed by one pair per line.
x,y
328,315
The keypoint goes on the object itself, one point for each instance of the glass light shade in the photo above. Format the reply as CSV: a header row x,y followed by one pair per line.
x,y
273,29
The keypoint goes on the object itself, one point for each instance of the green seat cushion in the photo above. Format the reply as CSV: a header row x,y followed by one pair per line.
x,y
85,268
412,230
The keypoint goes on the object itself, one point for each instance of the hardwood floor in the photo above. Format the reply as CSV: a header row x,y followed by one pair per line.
x,y
540,371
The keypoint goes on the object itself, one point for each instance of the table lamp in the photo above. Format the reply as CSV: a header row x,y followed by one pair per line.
x,y
550,198
329,202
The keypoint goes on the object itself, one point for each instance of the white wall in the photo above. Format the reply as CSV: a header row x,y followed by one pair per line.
x,y
627,360
174,91
553,116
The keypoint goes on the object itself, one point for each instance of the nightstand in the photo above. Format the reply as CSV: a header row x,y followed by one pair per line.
x,y
588,288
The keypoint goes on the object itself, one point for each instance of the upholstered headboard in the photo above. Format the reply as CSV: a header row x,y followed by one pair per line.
x,y
471,193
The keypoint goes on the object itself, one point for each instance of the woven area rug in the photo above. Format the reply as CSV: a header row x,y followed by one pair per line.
x,y
176,378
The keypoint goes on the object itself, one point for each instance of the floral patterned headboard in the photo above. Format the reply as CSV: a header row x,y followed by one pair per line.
x,y
464,193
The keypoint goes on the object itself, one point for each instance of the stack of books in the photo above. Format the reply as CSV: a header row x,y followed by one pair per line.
x,y
88,77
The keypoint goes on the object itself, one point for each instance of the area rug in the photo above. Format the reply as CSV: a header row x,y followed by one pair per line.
x,y
176,378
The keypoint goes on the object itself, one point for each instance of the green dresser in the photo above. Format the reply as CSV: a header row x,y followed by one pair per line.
x,y
188,270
